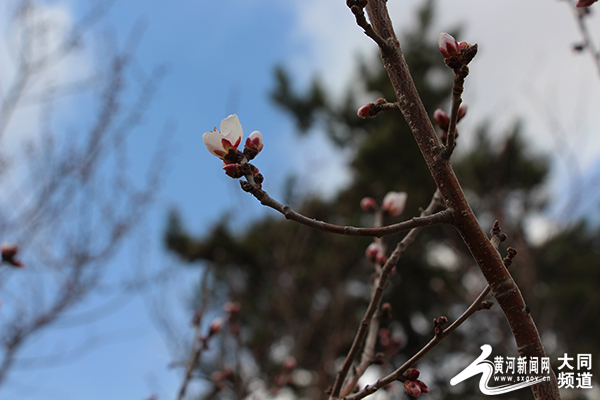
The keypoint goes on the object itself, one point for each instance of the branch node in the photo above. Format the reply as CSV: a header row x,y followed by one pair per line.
x,y
497,236
512,253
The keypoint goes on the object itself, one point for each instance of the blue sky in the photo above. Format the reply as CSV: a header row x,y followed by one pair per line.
x,y
220,56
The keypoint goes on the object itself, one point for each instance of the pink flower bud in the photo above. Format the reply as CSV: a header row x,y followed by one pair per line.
x,y
412,374
368,204
372,251
585,3
448,45
381,259
254,145
393,203
215,327
371,109
423,386
412,388
367,111
441,119
233,170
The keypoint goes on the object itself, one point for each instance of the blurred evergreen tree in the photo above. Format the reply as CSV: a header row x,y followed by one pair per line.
x,y
303,292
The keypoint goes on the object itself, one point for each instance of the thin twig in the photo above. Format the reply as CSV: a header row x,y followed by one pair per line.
x,y
197,344
457,90
356,7
435,203
442,217
478,304
580,15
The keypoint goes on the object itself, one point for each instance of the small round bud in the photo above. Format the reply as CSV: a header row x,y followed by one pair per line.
x,y
423,386
441,119
215,326
412,374
412,388
448,45
381,259
368,204
372,251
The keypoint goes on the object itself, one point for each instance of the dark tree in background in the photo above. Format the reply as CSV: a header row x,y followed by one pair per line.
x,y
303,292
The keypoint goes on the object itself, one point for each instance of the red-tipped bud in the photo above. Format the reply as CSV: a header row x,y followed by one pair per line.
x,y
423,386
367,111
412,388
393,203
368,204
372,109
9,250
412,374
456,54
254,145
441,119
381,259
234,170
448,45
215,327
372,251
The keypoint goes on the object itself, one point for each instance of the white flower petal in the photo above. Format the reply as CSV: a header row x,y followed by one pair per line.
x,y
212,141
393,203
231,129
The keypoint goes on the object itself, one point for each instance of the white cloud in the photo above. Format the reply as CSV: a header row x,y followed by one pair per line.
x,y
41,32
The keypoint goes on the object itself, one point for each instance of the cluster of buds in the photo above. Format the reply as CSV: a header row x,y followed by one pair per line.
x,y
442,120
224,144
392,206
375,254
456,54
9,251
232,310
413,385
438,325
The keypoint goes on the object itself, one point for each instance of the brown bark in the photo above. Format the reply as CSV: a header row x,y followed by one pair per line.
x,y
503,287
